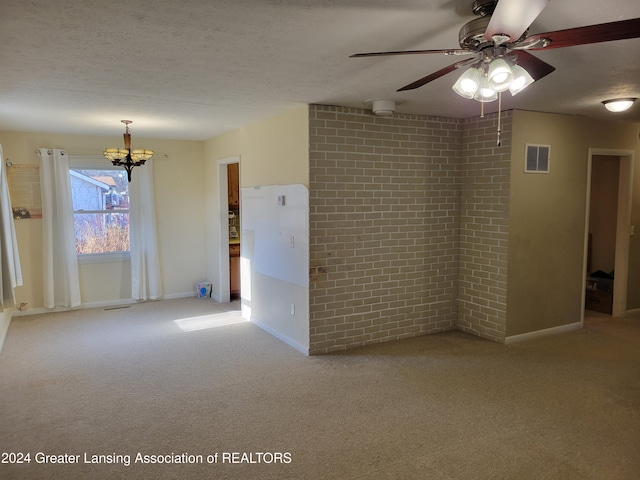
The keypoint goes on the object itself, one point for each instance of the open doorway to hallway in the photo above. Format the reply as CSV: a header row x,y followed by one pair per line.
x,y
607,233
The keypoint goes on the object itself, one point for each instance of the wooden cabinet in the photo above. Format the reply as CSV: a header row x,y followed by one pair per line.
x,y
234,269
233,184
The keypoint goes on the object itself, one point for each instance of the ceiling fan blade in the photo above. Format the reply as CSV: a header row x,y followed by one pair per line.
x,y
513,17
536,67
452,51
436,75
603,32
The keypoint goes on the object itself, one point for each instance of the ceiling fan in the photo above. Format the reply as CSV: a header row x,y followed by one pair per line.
x,y
498,37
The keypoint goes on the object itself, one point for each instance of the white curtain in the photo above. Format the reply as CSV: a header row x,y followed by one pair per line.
x,y
10,271
146,282
60,262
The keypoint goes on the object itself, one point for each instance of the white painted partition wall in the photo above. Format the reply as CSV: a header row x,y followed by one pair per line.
x,y
274,250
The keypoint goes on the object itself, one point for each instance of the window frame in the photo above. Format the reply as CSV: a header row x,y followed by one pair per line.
x,y
95,162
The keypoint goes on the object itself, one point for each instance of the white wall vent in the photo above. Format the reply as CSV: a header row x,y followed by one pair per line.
x,y
537,158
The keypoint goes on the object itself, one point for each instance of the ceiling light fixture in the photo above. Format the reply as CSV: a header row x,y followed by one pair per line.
x,y
491,74
125,157
618,105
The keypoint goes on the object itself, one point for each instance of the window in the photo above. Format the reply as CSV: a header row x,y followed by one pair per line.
x,y
100,199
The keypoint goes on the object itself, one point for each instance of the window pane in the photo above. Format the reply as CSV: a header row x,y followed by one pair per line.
x,y
104,196
101,232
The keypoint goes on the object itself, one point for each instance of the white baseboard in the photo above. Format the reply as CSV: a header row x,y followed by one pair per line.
x,y
523,337
107,303
632,313
280,336
84,306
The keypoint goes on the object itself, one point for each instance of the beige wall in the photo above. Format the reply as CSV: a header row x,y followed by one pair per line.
x,y
179,186
276,151
547,218
603,208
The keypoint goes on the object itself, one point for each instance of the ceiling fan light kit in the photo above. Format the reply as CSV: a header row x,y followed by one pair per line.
x,y
499,39
492,75
618,105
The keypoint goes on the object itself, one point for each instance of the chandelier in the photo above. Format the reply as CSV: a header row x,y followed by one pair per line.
x,y
126,157
491,74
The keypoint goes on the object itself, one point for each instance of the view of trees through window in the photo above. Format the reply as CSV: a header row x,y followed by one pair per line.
x,y
101,210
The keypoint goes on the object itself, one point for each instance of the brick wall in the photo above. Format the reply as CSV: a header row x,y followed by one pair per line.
x,y
384,226
484,223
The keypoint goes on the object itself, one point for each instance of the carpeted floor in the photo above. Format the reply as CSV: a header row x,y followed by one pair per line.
x,y
188,376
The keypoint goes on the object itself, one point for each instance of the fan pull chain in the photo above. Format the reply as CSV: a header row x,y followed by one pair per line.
x,y
499,142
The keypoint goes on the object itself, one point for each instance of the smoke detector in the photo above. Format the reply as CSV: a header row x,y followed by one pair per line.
x,y
382,107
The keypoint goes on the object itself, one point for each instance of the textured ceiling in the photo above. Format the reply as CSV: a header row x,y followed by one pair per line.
x,y
195,69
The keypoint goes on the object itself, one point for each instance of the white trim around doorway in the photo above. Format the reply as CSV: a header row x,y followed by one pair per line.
x,y
623,227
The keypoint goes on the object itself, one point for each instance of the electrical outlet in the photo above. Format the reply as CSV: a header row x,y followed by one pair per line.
x,y
292,240
632,230
293,309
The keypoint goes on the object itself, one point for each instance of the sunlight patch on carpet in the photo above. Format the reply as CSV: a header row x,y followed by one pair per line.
x,y
204,322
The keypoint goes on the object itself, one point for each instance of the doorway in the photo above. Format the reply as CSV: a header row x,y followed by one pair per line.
x,y
608,219
229,227
233,208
